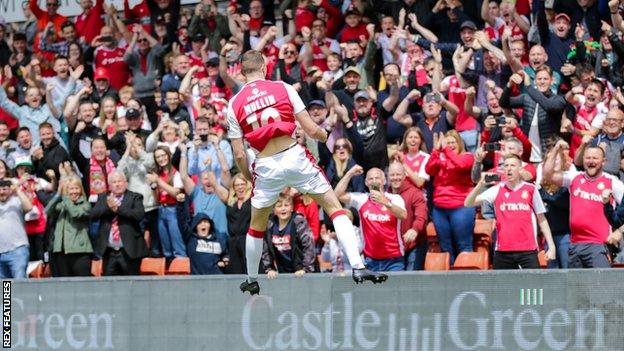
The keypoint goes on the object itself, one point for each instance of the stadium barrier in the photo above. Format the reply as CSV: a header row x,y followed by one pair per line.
x,y
520,310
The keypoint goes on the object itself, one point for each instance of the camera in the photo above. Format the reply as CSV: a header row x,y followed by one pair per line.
x,y
489,178
203,137
375,186
489,147
106,38
501,121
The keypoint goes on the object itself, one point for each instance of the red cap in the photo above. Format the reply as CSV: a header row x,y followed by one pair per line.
x,y
101,73
562,15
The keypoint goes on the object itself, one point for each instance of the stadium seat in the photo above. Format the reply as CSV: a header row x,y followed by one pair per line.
x,y
179,266
96,268
618,265
541,256
432,239
471,261
483,229
153,266
438,261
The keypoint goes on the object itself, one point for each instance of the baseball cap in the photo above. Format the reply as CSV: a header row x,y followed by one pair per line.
x,y
362,94
352,69
468,24
198,37
352,10
24,161
562,16
317,103
101,73
132,113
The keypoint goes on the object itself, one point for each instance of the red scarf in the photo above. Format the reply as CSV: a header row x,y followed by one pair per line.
x,y
98,177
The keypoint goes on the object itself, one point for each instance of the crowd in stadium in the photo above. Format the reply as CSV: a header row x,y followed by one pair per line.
x,y
440,114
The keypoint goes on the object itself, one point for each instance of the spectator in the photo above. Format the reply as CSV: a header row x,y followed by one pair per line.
x,y
519,209
209,195
210,23
84,133
108,54
24,146
89,22
413,230
208,146
136,164
413,155
590,112
52,154
207,249
288,242
71,248
238,219
380,214
121,243
172,81
340,163
611,140
107,119
588,233
334,252
103,86
45,17
451,166
174,110
167,184
14,244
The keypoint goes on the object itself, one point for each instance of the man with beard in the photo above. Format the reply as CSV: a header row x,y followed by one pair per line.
x,y
173,80
351,79
589,227
611,140
371,132
85,132
62,83
52,154
110,56
24,146
388,99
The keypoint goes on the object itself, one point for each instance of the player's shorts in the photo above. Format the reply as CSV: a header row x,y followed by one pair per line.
x,y
294,167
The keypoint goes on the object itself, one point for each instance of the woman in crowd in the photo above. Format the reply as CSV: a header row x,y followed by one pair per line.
x,y
71,247
167,183
451,165
107,120
238,217
340,162
413,155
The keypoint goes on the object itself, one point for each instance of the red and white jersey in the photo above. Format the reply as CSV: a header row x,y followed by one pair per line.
x,y
380,227
587,221
112,60
195,60
417,164
319,59
263,110
494,33
516,210
586,118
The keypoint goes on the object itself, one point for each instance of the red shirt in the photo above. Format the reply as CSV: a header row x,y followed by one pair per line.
x,y
197,61
416,163
380,227
262,110
417,212
457,95
311,214
112,59
516,210
587,221
42,21
89,23
353,33
304,18
451,177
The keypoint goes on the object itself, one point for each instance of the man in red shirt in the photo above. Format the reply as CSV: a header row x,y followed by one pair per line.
x,y
518,209
264,114
89,22
44,17
589,227
110,56
380,219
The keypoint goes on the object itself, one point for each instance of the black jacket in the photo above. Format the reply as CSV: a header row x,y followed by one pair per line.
x,y
53,156
130,213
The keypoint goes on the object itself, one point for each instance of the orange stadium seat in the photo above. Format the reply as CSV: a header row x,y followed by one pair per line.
x,y
153,266
432,238
472,261
96,268
541,256
438,261
179,266
483,229
37,271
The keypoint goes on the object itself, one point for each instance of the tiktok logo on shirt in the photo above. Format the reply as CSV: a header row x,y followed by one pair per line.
x,y
376,217
506,206
586,195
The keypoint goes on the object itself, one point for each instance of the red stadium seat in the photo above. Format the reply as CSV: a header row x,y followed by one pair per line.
x,y
179,266
438,261
96,268
618,265
153,266
472,261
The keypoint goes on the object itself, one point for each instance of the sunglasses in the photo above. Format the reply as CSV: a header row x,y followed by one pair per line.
x,y
204,85
289,52
341,147
142,41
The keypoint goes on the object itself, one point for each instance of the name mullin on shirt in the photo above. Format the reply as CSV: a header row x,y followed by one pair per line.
x,y
259,102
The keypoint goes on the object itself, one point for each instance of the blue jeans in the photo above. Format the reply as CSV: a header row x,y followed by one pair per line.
x,y
454,228
387,265
415,259
13,263
471,139
169,232
562,244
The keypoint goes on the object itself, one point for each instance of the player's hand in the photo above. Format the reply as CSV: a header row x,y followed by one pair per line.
x,y
299,273
551,254
615,237
272,274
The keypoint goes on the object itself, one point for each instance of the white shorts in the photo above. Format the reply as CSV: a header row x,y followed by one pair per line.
x,y
294,167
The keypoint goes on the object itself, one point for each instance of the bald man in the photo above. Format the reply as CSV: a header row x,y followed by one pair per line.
x,y
381,214
611,140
